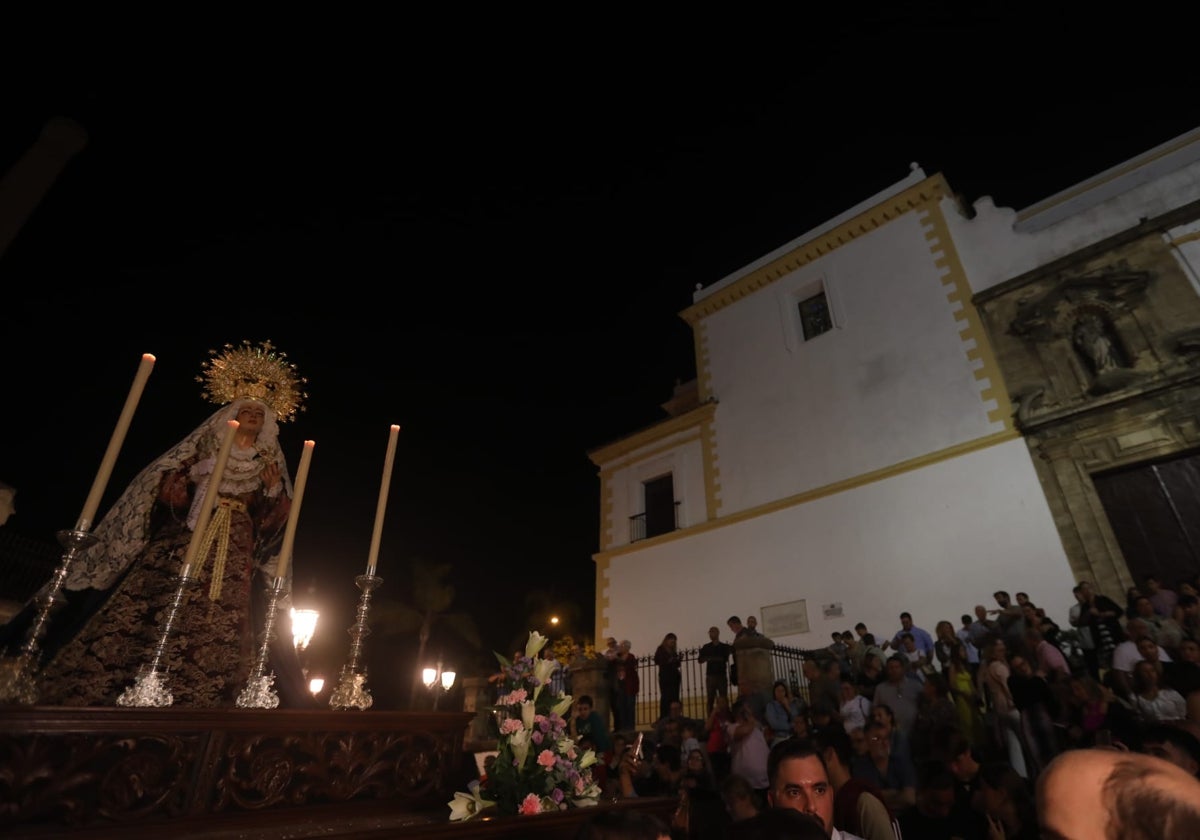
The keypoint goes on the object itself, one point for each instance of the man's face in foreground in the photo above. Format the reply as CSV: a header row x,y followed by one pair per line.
x,y
802,785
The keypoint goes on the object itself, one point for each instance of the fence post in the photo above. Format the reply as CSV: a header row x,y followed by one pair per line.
x,y
755,672
590,677
479,697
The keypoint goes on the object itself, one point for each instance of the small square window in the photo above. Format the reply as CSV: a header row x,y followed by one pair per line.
x,y
814,316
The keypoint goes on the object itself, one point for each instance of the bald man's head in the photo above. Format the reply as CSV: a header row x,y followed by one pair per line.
x,y
1109,794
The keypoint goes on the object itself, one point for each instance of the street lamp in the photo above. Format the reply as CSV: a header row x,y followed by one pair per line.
x,y
304,624
433,676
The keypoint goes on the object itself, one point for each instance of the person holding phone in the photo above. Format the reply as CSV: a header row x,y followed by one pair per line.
x,y
638,777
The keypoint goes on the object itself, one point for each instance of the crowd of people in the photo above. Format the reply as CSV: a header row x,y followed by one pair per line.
x,y
965,731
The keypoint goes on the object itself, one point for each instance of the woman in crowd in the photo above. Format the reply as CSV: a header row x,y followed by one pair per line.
x,y
961,682
623,677
1087,711
782,708
1153,702
698,774
612,767
670,677
944,644
1005,725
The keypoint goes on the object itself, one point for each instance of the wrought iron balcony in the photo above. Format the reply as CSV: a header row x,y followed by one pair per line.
x,y
642,526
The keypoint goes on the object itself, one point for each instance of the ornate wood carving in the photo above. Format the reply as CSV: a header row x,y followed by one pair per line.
x,y
82,769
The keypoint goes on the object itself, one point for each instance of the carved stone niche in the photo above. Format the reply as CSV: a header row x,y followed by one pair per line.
x,y
1085,334
1100,352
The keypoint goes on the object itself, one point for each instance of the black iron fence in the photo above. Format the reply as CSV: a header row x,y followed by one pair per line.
x,y
642,526
786,662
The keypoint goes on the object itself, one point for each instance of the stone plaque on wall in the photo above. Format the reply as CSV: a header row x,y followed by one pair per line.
x,y
785,619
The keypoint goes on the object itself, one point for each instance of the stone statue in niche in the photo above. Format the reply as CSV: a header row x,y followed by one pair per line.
x,y
1091,338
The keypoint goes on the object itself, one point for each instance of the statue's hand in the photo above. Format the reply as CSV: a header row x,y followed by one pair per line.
x,y
270,476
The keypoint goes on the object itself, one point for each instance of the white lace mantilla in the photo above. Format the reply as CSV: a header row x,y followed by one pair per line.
x,y
123,532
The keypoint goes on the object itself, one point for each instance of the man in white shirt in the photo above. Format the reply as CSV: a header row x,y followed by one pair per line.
x,y
1126,655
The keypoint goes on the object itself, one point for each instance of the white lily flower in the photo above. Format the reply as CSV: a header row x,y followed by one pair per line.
x,y
528,712
462,807
563,706
466,805
585,801
541,672
587,760
520,746
535,644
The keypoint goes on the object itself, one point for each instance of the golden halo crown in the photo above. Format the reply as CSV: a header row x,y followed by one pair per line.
x,y
261,372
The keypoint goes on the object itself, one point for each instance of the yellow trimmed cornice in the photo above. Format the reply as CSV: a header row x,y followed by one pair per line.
x,y
1103,178
932,189
974,337
836,487
712,472
611,467
606,509
703,370
602,600
1187,237
605,455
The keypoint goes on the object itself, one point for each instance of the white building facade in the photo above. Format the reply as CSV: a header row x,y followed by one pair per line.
x,y
853,448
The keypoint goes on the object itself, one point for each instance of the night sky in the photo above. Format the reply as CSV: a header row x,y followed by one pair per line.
x,y
494,261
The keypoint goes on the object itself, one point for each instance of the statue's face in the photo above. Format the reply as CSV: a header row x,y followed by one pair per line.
x,y
251,417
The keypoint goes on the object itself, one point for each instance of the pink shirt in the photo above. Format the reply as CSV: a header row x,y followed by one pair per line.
x,y
1051,659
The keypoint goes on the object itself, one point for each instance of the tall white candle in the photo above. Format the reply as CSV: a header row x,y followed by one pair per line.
x,y
114,445
373,557
210,497
289,533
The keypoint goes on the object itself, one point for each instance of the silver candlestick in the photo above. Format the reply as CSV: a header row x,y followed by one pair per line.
x,y
351,691
149,687
18,675
259,693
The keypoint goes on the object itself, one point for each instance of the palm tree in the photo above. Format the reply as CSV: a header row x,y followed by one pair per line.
x,y
431,597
